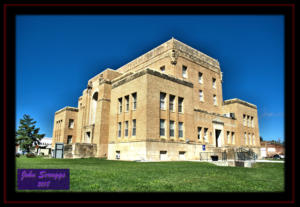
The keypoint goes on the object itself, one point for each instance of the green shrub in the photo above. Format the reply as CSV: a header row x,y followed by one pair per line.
x,y
30,155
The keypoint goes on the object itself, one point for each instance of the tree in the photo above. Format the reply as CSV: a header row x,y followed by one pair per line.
x,y
27,135
261,139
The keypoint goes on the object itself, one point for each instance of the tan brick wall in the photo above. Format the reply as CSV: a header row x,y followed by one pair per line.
x,y
144,77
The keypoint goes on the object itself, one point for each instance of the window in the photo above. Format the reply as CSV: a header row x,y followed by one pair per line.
x,y
71,123
118,153
248,121
119,129
127,103
120,105
134,101
205,135
69,140
162,127
253,137
162,101
199,133
162,69
126,128
214,83
171,128
252,123
233,138
88,136
180,105
246,141
180,129
133,127
184,71
172,103
228,137
215,99
250,140
200,79
201,97
244,119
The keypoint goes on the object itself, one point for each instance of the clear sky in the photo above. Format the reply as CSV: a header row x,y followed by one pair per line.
x,y
57,54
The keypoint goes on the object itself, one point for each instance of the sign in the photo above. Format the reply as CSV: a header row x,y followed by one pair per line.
x,y
203,147
43,179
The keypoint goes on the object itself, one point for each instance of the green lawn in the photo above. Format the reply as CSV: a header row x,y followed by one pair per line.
x,y
96,175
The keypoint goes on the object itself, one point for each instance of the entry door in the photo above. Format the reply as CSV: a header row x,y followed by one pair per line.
x,y
59,150
218,138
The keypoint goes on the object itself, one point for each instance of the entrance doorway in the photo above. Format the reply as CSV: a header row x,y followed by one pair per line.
x,y
218,137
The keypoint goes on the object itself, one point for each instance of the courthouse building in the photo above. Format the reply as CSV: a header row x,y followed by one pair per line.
x,y
165,105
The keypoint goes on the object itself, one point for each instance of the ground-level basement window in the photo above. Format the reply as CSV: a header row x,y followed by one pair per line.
x,y
163,155
118,155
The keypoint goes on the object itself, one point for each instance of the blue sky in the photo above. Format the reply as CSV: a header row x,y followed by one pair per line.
x,y
57,54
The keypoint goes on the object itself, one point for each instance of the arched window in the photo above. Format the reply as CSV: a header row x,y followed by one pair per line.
x,y
93,108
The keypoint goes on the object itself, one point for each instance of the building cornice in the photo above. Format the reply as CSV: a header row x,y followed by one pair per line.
x,y
151,72
67,108
173,49
239,101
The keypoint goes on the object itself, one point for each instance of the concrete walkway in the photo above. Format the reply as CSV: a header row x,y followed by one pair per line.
x,y
273,161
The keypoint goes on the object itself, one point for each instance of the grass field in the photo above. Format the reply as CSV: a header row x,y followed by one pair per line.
x,y
96,175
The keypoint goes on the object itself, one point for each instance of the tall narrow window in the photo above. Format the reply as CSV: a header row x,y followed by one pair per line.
x,y
233,138
214,83
253,137
228,137
69,141
133,127
244,119
215,99
71,123
200,79
205,135
120,105
199,133
184,71
180,129
201,97
93,108
162,127
162,69
250,140
252,123
171,128
134,101
162,101
127,103
248,121
180,105
126,128
172,103
119,129
246,140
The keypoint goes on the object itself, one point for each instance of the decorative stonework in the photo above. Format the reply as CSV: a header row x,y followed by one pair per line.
x,y
152,72
173,55
67,108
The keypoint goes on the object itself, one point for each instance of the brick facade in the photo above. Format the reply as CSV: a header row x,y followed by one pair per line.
x,y
163,105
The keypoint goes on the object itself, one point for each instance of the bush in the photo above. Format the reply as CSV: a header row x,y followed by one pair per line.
x,y
30,155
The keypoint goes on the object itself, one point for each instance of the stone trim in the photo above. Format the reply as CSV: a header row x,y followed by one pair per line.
x,y
152,72
104,99
217,122
239,101
213,114
67,108
174,48
102,81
